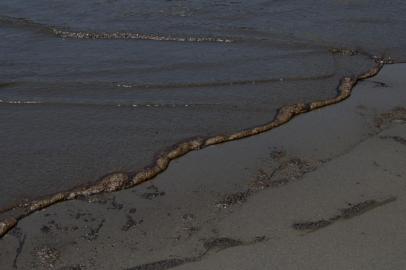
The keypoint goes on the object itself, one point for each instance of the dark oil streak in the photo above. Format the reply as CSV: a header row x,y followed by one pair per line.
x,y
21,243
165,264
398,139
212,245
345,213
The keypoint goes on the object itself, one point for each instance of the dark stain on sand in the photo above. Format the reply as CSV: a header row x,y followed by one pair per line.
x,y
288,169
152,193
380,84
396,114
234,198
17,233
164,264
398,139
346,213
93,233
130,223
72,267
210,246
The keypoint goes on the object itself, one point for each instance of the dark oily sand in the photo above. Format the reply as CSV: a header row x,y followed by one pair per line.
x,y
345,213
216,244
90,88
349,171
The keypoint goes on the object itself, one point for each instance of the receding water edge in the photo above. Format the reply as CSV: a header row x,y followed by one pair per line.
x,y
116,181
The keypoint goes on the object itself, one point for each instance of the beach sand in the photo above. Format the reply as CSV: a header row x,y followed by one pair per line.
x,y
325,191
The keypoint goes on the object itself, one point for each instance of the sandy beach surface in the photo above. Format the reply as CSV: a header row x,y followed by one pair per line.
x,y
325,191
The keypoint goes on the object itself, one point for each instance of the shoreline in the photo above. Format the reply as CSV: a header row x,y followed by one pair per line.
x,y
122,180
324,191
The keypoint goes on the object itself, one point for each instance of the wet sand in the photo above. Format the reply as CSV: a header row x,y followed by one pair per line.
x,y
325,191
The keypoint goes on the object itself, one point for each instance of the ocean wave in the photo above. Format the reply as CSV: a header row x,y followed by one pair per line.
x,y
223,83
19,101
110,104
163,86
69,34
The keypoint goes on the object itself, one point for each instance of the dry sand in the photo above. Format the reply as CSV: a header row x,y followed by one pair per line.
x,y
325,191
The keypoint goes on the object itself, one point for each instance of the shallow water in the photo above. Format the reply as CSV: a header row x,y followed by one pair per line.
x,y
126,79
